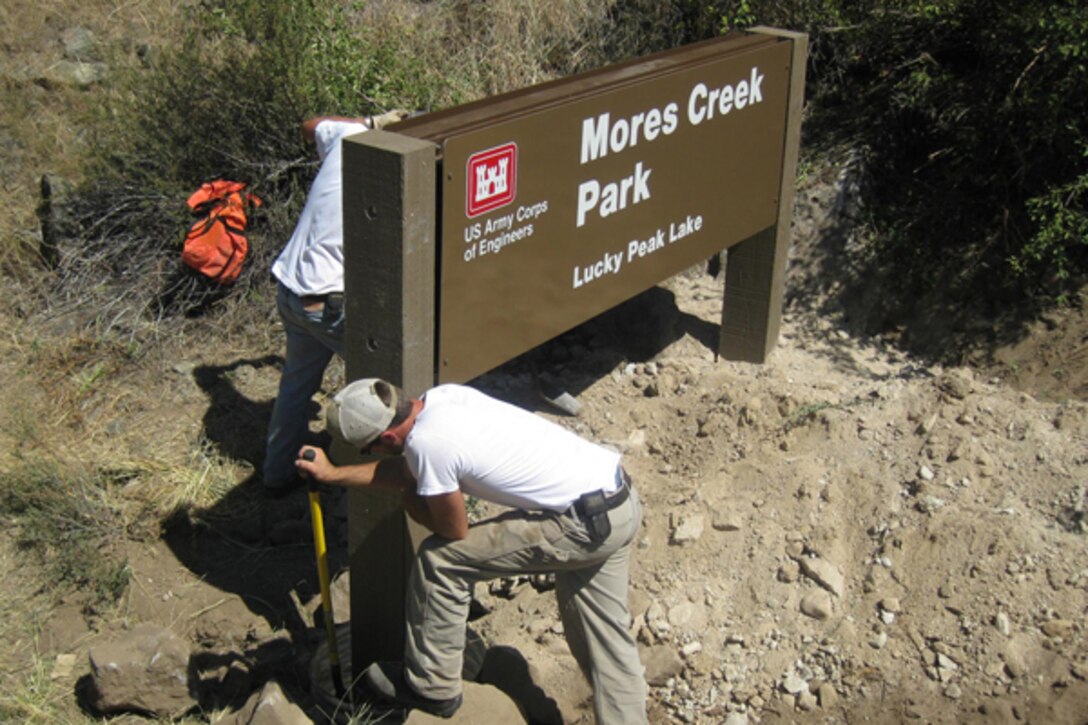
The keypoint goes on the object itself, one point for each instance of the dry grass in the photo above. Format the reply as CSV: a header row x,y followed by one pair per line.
x,y
86,427
44,129
488,48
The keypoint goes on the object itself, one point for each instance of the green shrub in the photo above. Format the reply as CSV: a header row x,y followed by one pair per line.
x,y
971,116
968,114
227,102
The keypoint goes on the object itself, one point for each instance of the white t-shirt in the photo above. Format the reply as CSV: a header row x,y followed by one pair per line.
x,y
501,453
312,262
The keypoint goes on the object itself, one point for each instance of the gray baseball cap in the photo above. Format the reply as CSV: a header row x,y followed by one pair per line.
x,y
357,415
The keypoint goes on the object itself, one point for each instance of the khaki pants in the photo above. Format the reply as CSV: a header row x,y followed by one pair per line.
x,y
591,586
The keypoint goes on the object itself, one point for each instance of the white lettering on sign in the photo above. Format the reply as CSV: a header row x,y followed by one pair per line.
x,y
640,248
612,263
600,135
499,224
704,103
494,245
614,196
689,226
532,212
496,233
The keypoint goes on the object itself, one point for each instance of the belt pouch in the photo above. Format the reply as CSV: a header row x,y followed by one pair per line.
x,y
595,512
334,306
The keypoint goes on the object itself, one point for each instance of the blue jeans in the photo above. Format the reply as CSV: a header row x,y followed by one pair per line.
x,y
313,336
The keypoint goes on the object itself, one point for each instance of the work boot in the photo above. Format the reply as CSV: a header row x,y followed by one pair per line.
x,y
551,393
385,119
386,681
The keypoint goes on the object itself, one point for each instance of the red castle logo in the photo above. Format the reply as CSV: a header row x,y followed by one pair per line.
x,y
492,179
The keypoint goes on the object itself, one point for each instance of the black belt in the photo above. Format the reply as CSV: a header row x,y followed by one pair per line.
x,y
335,299
609,501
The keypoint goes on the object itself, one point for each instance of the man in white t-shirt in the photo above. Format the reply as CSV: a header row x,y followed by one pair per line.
x,y
574,514
310,296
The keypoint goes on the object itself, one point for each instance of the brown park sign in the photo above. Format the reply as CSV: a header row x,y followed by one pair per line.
x,y
564,200
474,234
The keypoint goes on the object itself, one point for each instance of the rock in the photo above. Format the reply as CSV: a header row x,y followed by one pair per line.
x,y
789,572
891,604
686,615
63,667
824,573
1015,664
507,669
945,662
793,683
268,706
816,604
807,701
662,662
1001,623
687,530
691,649
145,671
72,73
827,696
482,704
1058,628
879,640
79,44
725,520
954,385
928,504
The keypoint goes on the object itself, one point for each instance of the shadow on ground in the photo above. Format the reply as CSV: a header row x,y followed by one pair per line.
x,y
254,547
261,549
635,331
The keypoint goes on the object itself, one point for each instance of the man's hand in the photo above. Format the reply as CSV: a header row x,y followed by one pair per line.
x,y
312,463
390,117
388,473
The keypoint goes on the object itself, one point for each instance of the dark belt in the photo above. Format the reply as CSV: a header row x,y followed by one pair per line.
x,y
336,299
609,502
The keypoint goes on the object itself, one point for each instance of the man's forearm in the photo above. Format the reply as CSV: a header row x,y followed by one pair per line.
x,y
309,126
415,507
387,473
444,514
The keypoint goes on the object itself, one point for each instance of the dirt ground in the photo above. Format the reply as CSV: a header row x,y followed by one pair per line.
x,y
843,534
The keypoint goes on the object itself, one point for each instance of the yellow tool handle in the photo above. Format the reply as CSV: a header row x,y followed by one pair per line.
x,y
318,521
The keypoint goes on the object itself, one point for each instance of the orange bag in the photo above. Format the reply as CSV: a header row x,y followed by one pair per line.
x,y
215,246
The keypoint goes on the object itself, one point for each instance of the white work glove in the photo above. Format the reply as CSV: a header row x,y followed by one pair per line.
x,y
389,117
